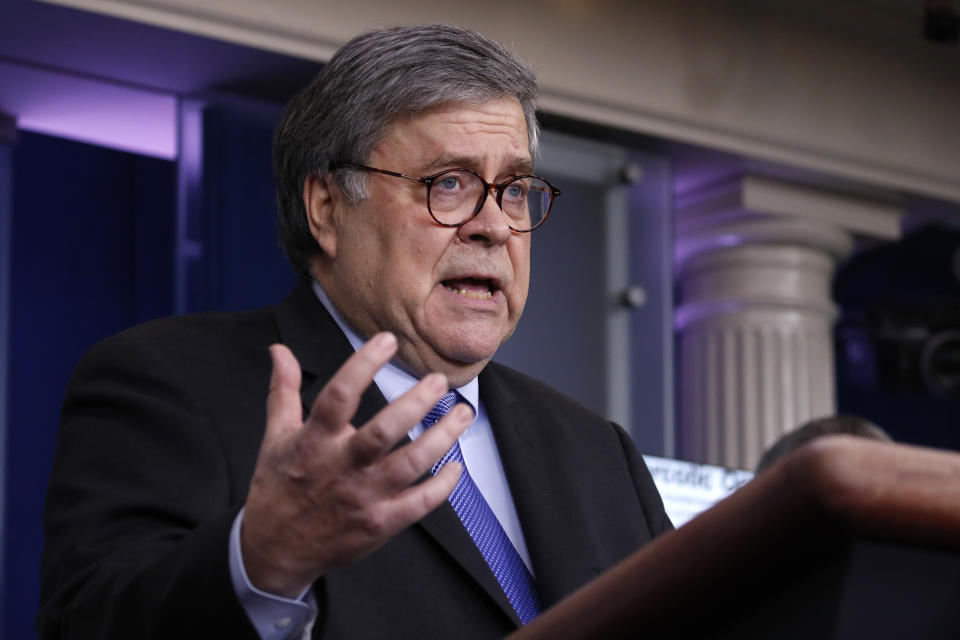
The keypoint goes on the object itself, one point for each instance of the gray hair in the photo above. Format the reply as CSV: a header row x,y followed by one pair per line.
x,y
370,83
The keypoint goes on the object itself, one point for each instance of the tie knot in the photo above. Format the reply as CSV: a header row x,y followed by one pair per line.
x,y
441,409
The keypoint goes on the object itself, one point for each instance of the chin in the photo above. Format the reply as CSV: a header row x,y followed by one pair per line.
x,y
468,351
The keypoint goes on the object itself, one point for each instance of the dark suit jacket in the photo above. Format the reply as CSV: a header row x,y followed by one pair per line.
x,y
160,432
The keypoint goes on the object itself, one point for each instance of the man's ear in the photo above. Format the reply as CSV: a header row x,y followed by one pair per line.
x,y
320,199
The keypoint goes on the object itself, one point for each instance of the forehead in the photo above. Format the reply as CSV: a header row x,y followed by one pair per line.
x,y
461,133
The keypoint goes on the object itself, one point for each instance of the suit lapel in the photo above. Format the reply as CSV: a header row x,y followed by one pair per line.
x,y
321,349
553,533
445,527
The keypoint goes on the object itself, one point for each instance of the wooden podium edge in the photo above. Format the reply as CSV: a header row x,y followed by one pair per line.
x,y
826,491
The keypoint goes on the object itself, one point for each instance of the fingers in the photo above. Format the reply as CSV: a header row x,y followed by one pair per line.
x,y
383,431
338,401
419,500
283,399
408,463
412,504
324,494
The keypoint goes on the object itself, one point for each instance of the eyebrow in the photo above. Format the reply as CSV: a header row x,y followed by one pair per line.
x,y
517,165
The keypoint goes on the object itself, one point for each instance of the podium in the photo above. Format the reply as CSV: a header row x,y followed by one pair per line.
x,y
843,538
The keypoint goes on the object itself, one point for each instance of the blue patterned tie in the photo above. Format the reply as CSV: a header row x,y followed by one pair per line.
x,y
482,525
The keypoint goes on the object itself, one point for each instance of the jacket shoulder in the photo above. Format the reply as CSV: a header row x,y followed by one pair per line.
x,y
209,326
535,392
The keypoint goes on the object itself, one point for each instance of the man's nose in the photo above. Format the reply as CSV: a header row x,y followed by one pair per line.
x,y
491,225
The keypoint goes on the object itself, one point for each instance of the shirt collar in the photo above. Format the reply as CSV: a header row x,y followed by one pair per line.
x,y
392,379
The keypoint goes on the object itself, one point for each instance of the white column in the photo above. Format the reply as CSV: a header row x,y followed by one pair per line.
x,y
756,259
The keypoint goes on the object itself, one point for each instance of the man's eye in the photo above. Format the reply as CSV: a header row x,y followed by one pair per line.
x,y
449,183
516,191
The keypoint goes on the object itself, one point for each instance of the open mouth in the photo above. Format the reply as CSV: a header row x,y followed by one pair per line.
x,y
476,288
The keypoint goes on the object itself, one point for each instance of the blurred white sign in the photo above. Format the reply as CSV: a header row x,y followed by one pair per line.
x,y
688,488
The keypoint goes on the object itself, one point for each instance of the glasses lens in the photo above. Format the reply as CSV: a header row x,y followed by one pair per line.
x,y
454,196
526,201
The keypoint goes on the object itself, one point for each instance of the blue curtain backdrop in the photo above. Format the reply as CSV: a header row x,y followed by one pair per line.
x,y
91,254
95,249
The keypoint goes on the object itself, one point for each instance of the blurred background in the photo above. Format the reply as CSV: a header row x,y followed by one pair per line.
x,y
760,221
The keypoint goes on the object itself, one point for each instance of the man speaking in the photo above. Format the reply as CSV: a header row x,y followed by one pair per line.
x,y
350,463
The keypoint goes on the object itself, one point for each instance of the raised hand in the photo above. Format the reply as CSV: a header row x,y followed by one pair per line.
x,y
324,492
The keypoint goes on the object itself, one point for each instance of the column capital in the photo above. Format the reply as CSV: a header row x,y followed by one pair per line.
x,y
751,198
752,229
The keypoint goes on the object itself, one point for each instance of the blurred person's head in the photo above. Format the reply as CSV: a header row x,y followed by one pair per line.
x,y
829,425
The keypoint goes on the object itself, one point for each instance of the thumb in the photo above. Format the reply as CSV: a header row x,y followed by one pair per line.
x,y
284,412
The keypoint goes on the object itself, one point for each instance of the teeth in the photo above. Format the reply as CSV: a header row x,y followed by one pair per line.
x,y
477,295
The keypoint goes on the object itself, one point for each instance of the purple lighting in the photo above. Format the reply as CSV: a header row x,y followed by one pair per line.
x,y
91,111
688,247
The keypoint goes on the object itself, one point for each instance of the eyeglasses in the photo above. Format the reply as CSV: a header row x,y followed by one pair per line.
x,y
456,196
